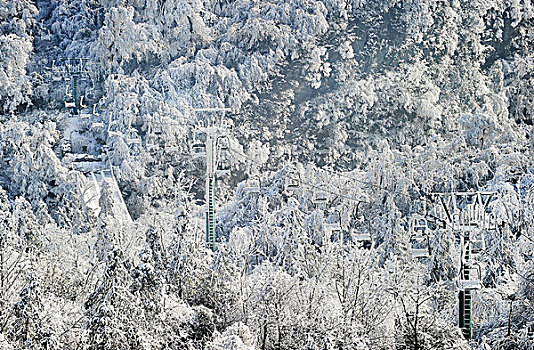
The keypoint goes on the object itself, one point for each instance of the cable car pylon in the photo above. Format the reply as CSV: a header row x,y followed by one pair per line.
x,y
214,133
469,222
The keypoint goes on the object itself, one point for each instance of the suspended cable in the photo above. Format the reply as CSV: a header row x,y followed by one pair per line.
x,y
351,198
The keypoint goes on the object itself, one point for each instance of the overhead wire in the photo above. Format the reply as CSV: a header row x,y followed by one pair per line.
x,y
394,192
438,220
359,200
351,198
340,174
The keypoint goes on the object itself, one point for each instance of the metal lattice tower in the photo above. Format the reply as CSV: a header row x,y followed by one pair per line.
x,y
469,221
464,296
211,168
213,134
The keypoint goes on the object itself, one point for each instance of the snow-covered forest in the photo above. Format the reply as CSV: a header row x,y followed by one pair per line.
x,y
372,171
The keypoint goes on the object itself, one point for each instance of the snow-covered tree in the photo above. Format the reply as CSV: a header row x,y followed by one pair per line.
x,y
17,19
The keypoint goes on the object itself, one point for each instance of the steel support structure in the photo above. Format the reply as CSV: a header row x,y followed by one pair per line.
x,y
211,168
464,219
464,296
213,133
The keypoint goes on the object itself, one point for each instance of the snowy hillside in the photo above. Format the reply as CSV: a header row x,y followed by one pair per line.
x,y
266,175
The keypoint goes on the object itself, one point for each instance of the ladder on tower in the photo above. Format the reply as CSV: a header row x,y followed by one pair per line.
x,y
465,313
210,214
470,280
